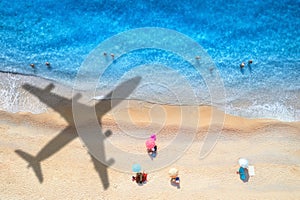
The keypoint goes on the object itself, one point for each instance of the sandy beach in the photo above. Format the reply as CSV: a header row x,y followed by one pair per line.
x,y
272,147
85,85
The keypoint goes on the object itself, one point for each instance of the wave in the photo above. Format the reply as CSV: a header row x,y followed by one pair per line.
x,y
267,111
14,100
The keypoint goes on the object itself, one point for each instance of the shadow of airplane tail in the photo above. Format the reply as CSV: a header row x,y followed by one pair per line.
x,y
33,162
102,170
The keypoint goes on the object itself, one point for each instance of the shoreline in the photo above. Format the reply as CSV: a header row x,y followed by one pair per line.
x,y
11,87
141,117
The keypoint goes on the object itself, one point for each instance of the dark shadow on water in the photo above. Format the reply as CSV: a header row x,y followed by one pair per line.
x,y
250,67
63,106
242,70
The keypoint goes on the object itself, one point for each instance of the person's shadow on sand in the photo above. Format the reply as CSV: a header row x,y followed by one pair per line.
x,y
175,184
63,106
153,155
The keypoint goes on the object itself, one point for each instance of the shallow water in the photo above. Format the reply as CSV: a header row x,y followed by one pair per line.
x,y
65,32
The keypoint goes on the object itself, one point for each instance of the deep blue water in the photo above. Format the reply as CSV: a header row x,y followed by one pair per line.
x,y
64,32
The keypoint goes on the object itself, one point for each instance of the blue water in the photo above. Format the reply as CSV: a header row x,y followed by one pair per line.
x,y
64,32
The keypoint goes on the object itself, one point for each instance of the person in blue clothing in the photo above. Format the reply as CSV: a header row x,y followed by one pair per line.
x,y
175,180
152,152
243,172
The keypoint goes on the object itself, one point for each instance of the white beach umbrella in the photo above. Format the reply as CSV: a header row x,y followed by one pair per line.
x,y
173,172
243,162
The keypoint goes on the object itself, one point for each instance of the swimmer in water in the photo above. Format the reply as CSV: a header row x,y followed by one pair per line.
x,y
47,64
242,65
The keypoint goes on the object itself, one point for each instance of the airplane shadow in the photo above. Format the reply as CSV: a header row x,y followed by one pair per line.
x,y
63,106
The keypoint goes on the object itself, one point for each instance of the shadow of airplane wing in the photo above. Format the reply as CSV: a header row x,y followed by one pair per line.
x,y
62,139
120,93
56,102
57,143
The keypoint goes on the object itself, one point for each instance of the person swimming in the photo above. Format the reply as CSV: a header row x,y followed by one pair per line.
x,y
47,64
242,65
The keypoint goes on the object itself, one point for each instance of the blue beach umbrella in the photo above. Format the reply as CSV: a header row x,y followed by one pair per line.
x,y
242,174
136,167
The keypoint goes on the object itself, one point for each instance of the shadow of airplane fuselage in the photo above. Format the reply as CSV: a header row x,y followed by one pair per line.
x,y
63,106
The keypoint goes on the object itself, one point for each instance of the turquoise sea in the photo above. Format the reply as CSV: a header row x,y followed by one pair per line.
x,y
64,33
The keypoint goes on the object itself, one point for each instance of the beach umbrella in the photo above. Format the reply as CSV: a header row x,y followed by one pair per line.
x,y
153,136
150,143
136,167
173,172
242,173
243,162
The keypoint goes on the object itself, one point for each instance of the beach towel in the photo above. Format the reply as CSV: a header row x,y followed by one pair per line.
x,y
251,170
